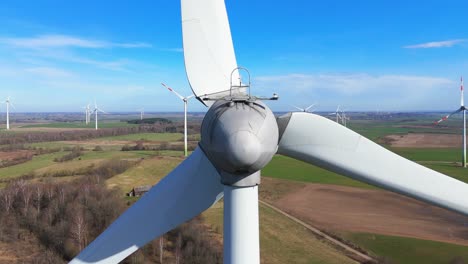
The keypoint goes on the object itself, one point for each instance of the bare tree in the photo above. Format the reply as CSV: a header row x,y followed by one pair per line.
x,y
79,230
26,195
7,197
178,249
38,193
161,249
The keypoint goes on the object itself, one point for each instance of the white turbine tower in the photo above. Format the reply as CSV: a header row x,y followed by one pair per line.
x,y
239,136
8,104
142,113
185,100
95,111
344,117
337,113
87,114
463,110
305,109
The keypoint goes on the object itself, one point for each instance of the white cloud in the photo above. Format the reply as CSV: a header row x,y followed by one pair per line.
x,y
49,72
349,84
63,41
436,44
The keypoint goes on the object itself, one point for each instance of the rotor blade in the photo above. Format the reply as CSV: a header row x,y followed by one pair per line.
x,y
190,96
176,93
447,116
310,106
12,105
208,49
298,108
319,141
188,190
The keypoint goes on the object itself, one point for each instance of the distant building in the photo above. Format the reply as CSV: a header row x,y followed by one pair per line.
x,y
139,191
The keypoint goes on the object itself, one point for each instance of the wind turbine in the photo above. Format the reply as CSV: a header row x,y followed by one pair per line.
x,y
344,117
185,100
87,114
95,111
8,104
463,110
337,114
142,112
305,109
239,136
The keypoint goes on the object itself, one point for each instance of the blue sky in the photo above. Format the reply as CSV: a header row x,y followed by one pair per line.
x,y
365,55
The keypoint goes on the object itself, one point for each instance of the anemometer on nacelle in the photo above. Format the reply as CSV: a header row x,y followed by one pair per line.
x,y
238,91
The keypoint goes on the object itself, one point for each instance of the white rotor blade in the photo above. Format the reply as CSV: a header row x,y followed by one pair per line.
x,y
310,106
298,108
188,190
319,141
447,116
172,90
208,49
102,111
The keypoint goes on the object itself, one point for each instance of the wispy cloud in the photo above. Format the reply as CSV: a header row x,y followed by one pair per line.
x,y
361,91
436,44
66,41
49,72
351,84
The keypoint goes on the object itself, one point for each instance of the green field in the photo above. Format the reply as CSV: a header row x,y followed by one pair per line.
x,y
147,172
429,154
282,240
147,137
102,124
409,250
37,162
283,167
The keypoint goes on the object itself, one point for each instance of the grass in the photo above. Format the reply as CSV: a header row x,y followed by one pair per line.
x,y
409,250
282,240
283,167
147,137
148,172
101,124
429,154
37,162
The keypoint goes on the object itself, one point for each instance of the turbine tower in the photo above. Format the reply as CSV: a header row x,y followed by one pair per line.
x,y
463,110
337,113
8,104
185,100
239,136
87,114
96,110
142,113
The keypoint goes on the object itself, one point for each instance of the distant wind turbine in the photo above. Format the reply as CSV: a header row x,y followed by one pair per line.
x,y
96,110
305,109
344,117
8,104
337,114
142,112
87,114
185,99
461,109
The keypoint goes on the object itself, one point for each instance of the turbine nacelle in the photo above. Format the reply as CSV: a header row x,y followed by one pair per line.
x,y
239,137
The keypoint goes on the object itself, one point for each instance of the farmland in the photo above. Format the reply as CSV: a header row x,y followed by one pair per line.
x,y
327,200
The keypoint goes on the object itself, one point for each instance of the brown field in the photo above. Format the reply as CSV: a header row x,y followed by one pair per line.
x,y
9,155
424,141
46,129
340,208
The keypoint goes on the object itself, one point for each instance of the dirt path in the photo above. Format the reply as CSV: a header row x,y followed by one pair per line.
x,y
340,208
424,140
350,252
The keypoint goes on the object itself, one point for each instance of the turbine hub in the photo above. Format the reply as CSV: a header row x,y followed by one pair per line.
x,y
239,137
